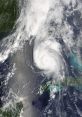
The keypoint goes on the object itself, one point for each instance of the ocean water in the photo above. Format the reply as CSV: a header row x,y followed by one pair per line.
x,y
41,57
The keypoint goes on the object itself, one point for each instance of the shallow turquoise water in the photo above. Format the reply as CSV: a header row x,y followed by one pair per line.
x,y
75,62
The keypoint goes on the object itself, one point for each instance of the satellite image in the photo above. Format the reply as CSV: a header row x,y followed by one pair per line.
x,y
40,58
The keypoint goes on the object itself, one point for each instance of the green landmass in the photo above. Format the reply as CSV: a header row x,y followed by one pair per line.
x,y
67,82
8,16
11,110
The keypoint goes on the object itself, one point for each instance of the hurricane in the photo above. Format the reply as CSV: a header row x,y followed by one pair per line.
x,y
41,58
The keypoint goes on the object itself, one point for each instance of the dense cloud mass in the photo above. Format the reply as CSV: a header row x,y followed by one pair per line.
x,y
57,34
54,30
